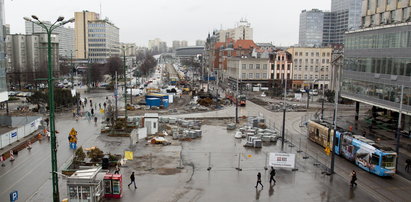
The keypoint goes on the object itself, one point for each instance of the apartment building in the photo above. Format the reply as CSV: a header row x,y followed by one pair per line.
x,y
312,67
65,36
27,57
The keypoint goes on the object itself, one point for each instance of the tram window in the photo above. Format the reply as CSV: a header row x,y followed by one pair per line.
x,y
375,159
388,161
317,132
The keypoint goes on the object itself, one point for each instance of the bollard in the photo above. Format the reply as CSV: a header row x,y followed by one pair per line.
x,y
316,161
306,151
209,161
291,141
150,163
239,158
299,147
180,166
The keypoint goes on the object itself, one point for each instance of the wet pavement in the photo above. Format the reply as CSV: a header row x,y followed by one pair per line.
x,y
30,172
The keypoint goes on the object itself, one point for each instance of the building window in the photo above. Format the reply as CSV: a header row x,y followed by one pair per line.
x,y
312,61
243,66
250,75
323,54
311,77
282,66
250,66
295,76
305,76
317,54
288,66
265,66
295,61
328,54
257,75
243,75
257,66
312,54
306,54
264,76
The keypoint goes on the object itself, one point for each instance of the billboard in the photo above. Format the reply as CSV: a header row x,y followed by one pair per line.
x,y
282,160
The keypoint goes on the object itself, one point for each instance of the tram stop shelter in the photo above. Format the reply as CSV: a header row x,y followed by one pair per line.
x,y
86,185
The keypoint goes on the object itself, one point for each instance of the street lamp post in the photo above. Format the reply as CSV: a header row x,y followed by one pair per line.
x,y
49,29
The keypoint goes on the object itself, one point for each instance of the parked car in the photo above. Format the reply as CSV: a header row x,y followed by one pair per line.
x,y
314,92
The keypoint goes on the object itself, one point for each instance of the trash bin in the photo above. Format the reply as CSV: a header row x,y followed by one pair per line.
x,y
105,162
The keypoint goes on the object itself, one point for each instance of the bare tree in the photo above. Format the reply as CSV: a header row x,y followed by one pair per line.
x,y
113,65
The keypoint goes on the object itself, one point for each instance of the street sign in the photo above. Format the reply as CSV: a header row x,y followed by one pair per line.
x,y
14,134
14,196
73,132
282,160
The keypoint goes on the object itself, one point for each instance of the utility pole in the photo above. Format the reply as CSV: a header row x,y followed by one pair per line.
x,y
397,132
72,69
337,63
125,84
116,95
236,104
50,80
284,111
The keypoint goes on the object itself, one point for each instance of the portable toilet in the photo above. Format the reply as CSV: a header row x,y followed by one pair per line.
x,y
151,123
165,103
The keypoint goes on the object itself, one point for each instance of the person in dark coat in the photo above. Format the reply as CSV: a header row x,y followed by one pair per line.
x,y
353,178
272,174
133,180
259,180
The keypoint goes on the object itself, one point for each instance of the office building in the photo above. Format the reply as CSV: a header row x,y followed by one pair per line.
x,y
66,36
175,45
242,31
376,12
183,44
377,60
157,46
312,67
250,72
323,28
347,16
311,28
96,39
3,84
27,57
200,43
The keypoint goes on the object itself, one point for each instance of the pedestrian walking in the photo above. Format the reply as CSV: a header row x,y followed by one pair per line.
x,y
104,105
99,105
95,106
85,101
272,174
95,120
117,170
259,180
92,112
408,165
364,133
133,180
353,178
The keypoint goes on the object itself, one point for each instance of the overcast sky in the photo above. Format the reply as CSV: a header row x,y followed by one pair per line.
x,y
141,20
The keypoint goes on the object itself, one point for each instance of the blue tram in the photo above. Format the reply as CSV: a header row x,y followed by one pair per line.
x,y
364,152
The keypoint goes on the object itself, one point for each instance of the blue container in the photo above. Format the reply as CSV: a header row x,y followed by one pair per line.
x,y
156,102
165,103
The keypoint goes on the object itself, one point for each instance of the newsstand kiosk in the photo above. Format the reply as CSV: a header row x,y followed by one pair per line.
x,y
113,185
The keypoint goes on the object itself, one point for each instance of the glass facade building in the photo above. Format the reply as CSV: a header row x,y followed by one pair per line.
x,y
3,83
377,63
311,28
